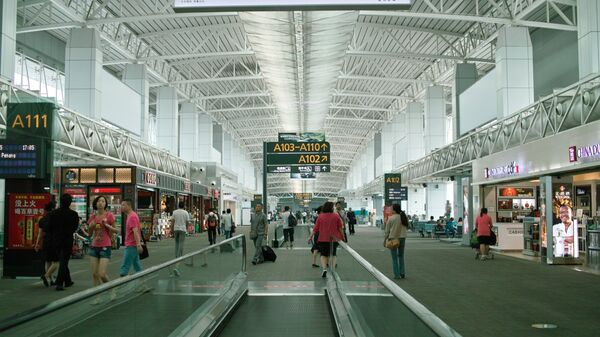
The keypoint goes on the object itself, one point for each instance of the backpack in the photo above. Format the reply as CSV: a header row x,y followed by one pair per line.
x,y
292,221
212,220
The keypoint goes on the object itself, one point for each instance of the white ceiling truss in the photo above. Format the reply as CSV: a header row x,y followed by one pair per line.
x,y
260,73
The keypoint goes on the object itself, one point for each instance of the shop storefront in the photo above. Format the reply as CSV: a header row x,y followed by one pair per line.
x,y
154,194
85,184
161,195
544,196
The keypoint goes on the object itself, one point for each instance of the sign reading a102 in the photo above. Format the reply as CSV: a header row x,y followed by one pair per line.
x,y
292,154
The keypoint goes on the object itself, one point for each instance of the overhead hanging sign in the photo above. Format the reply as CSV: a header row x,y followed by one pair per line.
x,y
392,185
303,137
298,159
286,5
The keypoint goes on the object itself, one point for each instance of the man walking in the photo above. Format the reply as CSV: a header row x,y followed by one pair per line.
x,y
288,229
64,222
212,222
340,211
180,220
351,220
258,232
227,220
133,240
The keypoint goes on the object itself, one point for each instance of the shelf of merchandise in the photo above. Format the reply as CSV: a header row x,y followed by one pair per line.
x,y
531,236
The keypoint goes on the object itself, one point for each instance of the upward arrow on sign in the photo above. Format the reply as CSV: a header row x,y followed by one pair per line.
x,y
324,168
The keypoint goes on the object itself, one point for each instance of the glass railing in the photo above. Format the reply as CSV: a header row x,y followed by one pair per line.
x,y
370,304
186,296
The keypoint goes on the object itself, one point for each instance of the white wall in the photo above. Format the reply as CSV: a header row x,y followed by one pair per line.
x,y
478,103
121,105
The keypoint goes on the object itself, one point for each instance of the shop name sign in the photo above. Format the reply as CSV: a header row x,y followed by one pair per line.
x,y
150,178
501,171
584,152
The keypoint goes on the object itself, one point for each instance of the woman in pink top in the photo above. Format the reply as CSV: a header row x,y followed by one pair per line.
x,y
329,227
101,225
484,232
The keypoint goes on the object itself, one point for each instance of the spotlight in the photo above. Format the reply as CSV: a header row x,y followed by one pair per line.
x,y
89,132
424,185
71,125
451,178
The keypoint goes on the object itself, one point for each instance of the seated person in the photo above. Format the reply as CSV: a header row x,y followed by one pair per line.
x,y
451,227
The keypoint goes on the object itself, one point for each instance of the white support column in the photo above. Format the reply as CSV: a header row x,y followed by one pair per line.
x,y
136,77
167,120
217,143
465,75
188,132
588,33
514,70
435,118
205,130
83,72
227,155
8,39
388,140
416,134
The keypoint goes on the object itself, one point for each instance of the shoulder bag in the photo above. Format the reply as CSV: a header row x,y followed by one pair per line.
x,y
392,243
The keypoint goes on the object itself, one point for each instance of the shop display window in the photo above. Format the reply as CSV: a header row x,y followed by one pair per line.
x,y
106,175
123,175
87,175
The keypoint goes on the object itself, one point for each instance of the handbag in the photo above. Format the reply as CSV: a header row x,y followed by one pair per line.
x,y
144,254
392,243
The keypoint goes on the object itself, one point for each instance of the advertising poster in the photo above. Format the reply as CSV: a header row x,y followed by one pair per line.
x,y
25,211
564,228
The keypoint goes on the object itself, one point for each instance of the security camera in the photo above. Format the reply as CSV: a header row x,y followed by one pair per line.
x,y
213,183
201,169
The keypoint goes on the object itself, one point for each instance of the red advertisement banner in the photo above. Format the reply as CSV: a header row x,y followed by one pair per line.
x,y
25,211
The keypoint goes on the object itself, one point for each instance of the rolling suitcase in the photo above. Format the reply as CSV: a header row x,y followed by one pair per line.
x,y
268,254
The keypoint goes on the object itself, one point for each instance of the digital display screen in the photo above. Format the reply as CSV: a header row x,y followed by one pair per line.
x,y
20,161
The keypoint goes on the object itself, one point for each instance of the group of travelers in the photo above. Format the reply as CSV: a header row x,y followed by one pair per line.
x,y
58,228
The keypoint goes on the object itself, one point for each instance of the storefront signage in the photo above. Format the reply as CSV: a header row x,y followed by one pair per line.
x,y
150,178
286,5
105,190
589,152
71,175
501,171
24,213
187,187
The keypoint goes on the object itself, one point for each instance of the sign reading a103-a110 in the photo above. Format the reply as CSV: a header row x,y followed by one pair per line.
x,y
298,154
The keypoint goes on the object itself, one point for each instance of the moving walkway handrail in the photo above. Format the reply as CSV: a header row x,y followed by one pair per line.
x,y
429,318
27,316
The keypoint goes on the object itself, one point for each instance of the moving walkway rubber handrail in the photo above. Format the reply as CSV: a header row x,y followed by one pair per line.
x,y
429,318
27,316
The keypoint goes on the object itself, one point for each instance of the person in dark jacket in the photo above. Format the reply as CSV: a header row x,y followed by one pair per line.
x,y
49,253
63,223
351,220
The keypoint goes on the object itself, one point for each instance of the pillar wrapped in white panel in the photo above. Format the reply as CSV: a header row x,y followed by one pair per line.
x,y
167,120
416,201
205,132
465,75
370,161
8,39
136,77
514,70
227,144
188,132
217,143
588,34
436,199
388,139
414,128
83,72
249,173
435,118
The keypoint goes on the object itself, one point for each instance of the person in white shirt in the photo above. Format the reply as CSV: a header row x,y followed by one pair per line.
x,y
563,233
180,220
288,231
227,220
